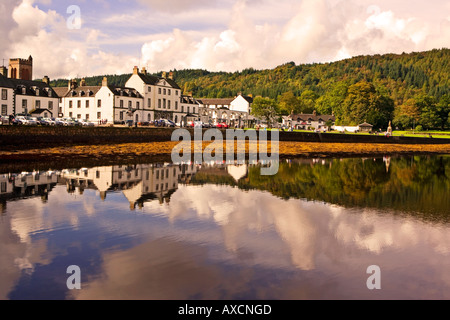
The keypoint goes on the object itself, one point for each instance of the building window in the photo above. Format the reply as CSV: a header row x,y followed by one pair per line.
x,y
176,105
176,92
87,116
182,108
157,174
78,116
137,104
168,92
149,117
4,109
149,102
99,103
159,90
87,103
60,109
79,103
168,104
38,104
4,94
99,115
70,103
121,115
3,188
149,89
164,91
97,174
130,104
50,105
70,114
121,103
159,103
164,103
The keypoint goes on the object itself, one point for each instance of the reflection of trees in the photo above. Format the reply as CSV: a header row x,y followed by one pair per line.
x,y
418,184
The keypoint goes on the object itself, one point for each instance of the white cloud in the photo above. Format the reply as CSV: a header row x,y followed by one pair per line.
x,y
218,36
315,31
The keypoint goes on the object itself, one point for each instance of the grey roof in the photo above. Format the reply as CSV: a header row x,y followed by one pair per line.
x,y
83,91
365,124
5,82
152,80
217,101
31,88
61,91
91,91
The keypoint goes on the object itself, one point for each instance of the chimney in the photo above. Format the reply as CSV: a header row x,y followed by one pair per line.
x,y
105,82
171,75
315,113
164,75
83,82
144,71
251,95
4,71
72,84
46,80
135,70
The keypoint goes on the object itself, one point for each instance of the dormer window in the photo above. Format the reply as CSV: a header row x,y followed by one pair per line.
x,y
50,94
74,93
36,91
82,93
24,90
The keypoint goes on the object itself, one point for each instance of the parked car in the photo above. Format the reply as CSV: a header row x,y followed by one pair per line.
x,y
222,125
68,122
28,121
4,120
58,121
87,123
50,121
144,123
165,123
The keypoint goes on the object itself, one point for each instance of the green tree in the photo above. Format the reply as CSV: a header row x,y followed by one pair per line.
x,y
407,115
308,101
364,103
289,103
265,108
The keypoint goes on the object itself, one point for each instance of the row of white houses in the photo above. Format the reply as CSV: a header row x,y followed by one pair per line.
x,y
143,98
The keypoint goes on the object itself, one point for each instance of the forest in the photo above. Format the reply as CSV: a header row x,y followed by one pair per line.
x,y
410,89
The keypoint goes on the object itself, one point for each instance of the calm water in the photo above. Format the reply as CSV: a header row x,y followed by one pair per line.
x,y
160,231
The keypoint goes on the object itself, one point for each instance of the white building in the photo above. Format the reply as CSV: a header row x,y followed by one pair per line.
x,y
161,95
309,121
7,96
232,111
24,96
106,103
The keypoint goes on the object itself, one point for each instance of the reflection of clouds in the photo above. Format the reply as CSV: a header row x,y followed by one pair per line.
x,y
212,227
308,229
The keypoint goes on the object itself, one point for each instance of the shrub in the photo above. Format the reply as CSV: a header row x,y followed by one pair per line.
x,y
419,128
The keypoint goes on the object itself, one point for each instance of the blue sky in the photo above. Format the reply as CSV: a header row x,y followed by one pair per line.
x,y
225,35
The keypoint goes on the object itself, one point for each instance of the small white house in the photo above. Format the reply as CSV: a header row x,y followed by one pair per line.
x,y
23,96
104,104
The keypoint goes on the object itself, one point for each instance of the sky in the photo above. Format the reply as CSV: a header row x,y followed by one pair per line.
x,y
69,38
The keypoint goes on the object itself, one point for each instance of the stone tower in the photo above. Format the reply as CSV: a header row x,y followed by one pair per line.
x,y
21,69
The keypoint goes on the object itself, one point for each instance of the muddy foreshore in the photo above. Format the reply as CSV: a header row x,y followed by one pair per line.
x,y
78,156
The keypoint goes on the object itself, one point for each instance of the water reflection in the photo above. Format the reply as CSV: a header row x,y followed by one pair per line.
x,y
222,231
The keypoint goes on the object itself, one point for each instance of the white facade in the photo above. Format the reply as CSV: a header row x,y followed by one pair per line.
x,y
6,101
105,104
161,95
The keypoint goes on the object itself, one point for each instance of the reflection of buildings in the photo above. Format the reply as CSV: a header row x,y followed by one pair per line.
x,y
26,184
139,183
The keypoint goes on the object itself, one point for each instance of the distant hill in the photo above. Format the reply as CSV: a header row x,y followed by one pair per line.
x,y
401,78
